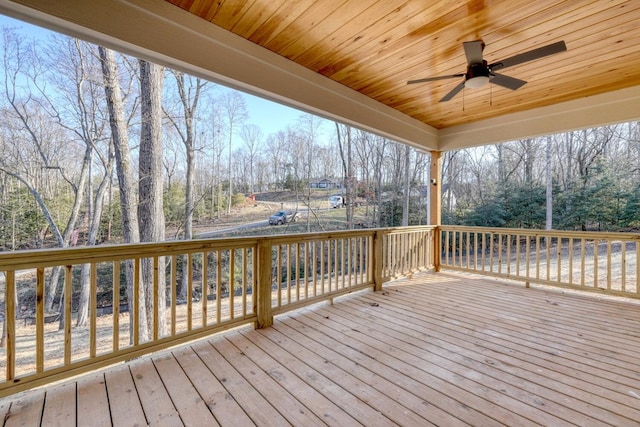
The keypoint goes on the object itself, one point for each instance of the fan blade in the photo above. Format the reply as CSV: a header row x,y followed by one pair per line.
x,y
532,55
453,92
433,79
473,51
506,81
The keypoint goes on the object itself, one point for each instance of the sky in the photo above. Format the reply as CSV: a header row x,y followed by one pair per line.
x,y
271,117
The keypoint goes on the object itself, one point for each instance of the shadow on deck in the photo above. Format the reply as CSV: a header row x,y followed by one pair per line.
x,y
443,349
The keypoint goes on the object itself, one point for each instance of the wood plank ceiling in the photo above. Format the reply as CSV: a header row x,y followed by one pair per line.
x,y
376,46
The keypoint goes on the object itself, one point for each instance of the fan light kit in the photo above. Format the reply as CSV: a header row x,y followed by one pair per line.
x,y
479,73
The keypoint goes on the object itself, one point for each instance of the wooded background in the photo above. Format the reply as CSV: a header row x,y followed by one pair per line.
x,y
96,146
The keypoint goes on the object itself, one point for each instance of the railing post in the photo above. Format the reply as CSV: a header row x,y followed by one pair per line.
x,y
435,201
263,295
377,261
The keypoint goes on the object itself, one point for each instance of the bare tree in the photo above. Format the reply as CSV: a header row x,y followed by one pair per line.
x,y
309,131
407,186
124,168
79,81
252,137
189,90
549,186
343,134
36,118
150,208
234,112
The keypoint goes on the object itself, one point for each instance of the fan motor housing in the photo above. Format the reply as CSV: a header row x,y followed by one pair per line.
x,y
478,70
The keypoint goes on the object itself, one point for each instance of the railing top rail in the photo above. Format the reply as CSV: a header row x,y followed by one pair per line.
x,y
541,233
301,237
341,234
399,230
79,255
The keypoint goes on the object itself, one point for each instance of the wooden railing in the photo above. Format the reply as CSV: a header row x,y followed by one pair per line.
x,y
589,261
212,285
191,289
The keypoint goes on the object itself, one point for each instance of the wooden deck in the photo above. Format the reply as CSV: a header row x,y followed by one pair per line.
x,y
439,349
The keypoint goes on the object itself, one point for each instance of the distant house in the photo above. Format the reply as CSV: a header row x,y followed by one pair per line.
x,y
324,183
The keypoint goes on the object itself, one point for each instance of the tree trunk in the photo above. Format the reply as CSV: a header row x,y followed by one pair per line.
x,y
189,106
124,168
344,143
407,189
94,228
549,220
150,210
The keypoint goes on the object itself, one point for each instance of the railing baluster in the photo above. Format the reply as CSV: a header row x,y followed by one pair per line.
x,y
349,261
491,239
499,253
468,250
454,248
218,286
322,265
312,267
548,243
232,283
40,319
397,255
189,295
10,319
279,275
68,300
174,292
571,260
537,257
583,249
475,251
204,287
136,302
297,267
623,264
244,282
156,302
115,283
608,264
637,268
559,260
517,255
595,262
508,252
484,249
342,263
254,277
307,261
93,294
446,247
527,256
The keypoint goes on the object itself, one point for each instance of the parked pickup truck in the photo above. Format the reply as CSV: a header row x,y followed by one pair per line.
x,y
282,217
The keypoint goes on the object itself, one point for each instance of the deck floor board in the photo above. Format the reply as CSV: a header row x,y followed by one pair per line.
x,y
92,400
124,403
436,349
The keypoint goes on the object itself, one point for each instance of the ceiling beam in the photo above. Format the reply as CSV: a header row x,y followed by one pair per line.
x,y
165,34
599,110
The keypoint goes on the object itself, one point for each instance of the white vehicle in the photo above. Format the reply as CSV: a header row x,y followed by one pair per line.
x,y
336,202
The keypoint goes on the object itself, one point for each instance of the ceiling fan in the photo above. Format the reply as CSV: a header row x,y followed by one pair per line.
x,y
479,73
